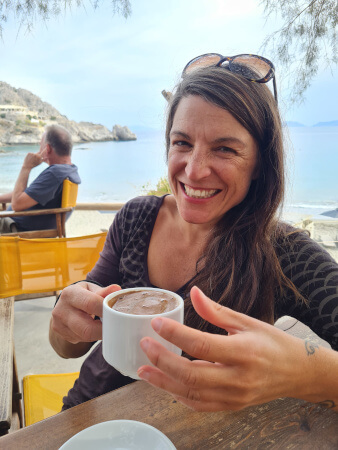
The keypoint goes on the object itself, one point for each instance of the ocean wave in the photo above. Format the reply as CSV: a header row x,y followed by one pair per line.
x,y
312,205
6,153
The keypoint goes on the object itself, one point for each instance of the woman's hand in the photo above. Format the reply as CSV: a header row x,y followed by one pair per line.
x,y
72,326
254,364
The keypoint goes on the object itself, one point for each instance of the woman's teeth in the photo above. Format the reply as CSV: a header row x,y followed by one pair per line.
x,y
199,193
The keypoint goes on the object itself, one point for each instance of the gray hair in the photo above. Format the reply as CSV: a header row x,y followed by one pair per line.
x,y
59,139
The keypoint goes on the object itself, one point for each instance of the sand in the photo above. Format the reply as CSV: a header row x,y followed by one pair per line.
x,y
81,222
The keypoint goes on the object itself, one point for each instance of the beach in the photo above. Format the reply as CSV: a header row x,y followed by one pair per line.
x,y
83,223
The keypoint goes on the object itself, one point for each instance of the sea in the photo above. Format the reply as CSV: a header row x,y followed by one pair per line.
x,y
119,171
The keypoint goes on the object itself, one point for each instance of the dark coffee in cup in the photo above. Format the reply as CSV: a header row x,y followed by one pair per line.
x,y
143,302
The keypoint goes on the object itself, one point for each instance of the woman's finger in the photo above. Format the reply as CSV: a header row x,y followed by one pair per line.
x,y
86,297
76,326
202,345
85,327
103,291
73,315
191,374
206,398
221,316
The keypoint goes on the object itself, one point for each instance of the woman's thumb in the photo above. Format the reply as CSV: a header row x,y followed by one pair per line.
x,y
108,290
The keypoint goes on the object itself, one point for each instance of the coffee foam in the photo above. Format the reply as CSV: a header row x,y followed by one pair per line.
x,y
143,302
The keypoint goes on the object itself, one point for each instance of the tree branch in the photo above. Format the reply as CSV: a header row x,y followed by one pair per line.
x,y
300,13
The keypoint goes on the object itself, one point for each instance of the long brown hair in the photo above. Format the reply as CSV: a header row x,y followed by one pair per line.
x,y
240,268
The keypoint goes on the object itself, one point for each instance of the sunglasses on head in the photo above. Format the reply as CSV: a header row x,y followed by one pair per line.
x,y
252,67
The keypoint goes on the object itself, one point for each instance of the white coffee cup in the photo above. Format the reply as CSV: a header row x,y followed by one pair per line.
x,y
122,333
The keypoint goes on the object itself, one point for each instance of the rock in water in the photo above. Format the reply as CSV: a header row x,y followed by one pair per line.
x,y
123,133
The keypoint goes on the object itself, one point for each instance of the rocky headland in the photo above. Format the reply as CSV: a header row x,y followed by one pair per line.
x,y
23,117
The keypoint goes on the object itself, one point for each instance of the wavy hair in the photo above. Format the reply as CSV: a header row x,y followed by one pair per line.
x,y
239,267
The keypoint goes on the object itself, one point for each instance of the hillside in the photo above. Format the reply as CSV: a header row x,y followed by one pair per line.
x,y
23,117
291,123
332,123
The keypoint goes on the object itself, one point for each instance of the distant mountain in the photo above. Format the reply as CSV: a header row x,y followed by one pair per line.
x,y
23,117
294,124
332,123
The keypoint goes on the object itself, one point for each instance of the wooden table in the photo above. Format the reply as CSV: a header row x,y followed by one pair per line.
x,y
283,423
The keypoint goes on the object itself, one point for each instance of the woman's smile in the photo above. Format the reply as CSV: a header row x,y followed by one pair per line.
x,y
199,193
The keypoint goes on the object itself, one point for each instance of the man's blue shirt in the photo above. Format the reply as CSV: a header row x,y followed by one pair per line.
x,y
46,189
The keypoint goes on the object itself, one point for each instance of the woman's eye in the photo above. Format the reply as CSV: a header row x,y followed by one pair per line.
x,y
180,143
226,150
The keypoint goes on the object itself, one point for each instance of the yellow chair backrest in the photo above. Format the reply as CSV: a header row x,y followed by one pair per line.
x,y
29,266
43,394
69,194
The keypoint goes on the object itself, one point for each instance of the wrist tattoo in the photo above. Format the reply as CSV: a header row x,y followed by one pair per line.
x,y
327,403
310,346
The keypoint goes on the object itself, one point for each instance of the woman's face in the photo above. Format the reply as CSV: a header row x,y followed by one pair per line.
x,y
212,160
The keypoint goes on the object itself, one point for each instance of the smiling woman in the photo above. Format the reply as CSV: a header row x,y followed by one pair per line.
x,y
212,161
218,232
233,137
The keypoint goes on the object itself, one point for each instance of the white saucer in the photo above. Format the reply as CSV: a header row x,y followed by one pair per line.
x,y
119,435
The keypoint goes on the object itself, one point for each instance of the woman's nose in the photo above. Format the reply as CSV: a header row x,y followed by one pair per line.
x,y
197,166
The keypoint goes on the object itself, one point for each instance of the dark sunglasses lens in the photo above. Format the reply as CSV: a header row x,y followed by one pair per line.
x,y
202,61
250,67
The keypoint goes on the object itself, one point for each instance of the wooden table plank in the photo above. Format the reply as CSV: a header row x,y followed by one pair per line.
x,y
6,362
283,423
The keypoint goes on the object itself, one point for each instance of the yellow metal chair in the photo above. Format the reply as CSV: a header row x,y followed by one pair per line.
x,y
68,202
69,194
32,266
43,394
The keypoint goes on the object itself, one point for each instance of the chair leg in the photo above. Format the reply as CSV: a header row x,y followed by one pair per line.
x,y
63,224
17,395
59,225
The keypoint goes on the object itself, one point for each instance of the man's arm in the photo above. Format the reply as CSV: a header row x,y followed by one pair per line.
x,y
21,200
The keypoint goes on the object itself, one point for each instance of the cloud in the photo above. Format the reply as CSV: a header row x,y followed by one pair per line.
x,y
94,66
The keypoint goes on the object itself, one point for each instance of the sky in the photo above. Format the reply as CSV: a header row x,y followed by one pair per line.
x,y
94,66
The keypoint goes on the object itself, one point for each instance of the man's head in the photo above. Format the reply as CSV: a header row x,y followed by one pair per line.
x,y
58,139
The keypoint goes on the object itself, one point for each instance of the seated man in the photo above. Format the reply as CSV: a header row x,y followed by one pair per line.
x,y
45,192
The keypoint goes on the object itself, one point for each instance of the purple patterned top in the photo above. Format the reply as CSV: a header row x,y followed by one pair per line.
x,y
124,261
